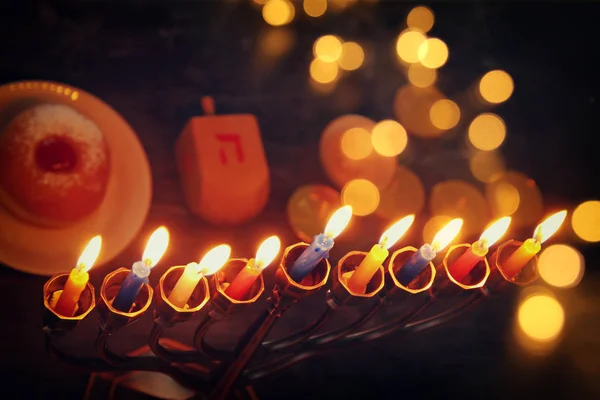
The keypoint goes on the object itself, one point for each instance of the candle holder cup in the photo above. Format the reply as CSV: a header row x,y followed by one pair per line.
x,y
112,319
286,287
56,322
340,294
527,275
166,313
223,304
421,283
451,286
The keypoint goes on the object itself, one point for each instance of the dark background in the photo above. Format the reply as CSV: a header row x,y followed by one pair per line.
x,y
153,62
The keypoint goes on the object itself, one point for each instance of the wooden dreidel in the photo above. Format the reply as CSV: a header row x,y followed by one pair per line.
x,y
222,166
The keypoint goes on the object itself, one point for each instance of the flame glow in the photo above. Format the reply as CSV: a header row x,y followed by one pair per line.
x,y
447,234
90,253
495,231
396,231
338,221
214,259
267,252
156,246
549,226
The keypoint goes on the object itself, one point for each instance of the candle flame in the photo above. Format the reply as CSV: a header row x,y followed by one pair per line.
x,y
267,252
396,231
338,221
156,246
549,226
494,232
90,253
447,234
214,259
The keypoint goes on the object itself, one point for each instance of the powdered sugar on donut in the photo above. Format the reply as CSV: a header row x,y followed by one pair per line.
x,y
59,120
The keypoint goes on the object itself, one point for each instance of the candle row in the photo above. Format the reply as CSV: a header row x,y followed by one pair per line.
x,y
306,262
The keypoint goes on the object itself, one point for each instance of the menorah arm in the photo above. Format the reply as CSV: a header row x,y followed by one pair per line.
x,y
202,364
94,364
123,361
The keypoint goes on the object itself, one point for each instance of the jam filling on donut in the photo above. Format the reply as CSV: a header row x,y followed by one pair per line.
x,y
55,154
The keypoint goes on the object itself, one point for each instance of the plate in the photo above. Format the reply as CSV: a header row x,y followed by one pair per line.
x,y
119,218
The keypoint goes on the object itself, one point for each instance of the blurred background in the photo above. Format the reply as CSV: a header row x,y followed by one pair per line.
x,y
489,109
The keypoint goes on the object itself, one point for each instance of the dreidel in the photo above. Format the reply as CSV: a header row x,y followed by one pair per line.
x,y
222,166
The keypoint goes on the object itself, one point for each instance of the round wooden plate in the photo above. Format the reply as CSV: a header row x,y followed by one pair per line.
x,y
44,251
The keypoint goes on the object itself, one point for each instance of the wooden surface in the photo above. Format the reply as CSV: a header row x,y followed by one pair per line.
x,y
153,64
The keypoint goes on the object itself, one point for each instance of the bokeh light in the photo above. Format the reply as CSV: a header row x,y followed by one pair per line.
x,y
328,48
496,86
434,225
541,317
412,106
586,221
502,197
275,42
389,138
433,53
487,131
420,18
352,56
487,166
403,196
444,114
421,76
341,169
561,265
340,5
408,44
309,209
362,195
322,71
278,12
459,199
356,143
315,8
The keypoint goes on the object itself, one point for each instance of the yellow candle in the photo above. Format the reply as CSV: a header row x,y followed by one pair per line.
x,y
193,272
361,276
78,278
517,260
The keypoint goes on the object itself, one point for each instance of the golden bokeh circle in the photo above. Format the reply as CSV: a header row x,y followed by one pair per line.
x,y
586,221
501,197
403,196
328,48
561,266
309,209
433,53
420,18
541,317
487,131
487,166
421,76
412,106
459,199
278,12
362,195
314,8
340,168
356,143
352,56
389,138
444,114
496,86
322,71
408,44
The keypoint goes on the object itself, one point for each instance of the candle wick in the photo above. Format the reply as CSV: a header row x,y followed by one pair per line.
x,y
147,261
383,242
81,267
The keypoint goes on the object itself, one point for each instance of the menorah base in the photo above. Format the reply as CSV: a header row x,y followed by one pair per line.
x,y
146,385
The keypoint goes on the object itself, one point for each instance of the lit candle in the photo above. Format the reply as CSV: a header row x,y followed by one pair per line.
x,y
417,263
265,255
478,250
361,276
517,260
193,272
321,244
140,270
78,278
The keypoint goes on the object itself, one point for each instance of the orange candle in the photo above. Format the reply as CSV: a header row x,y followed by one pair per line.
x,y
362,275
78,279
244,280
478,250
517,260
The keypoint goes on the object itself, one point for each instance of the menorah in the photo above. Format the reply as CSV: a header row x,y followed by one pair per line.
x,y
222,373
